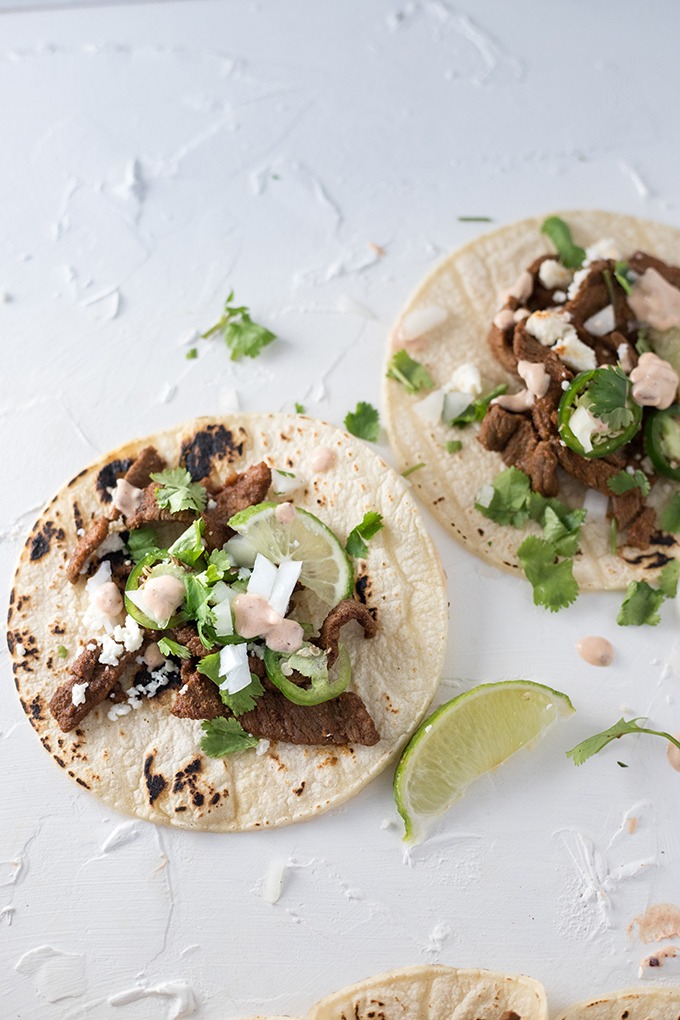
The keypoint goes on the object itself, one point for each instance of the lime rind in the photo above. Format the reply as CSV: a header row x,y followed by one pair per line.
x,y
326,567
466,738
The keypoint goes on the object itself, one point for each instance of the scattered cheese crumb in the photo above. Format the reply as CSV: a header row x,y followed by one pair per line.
x,y
78,693
20,650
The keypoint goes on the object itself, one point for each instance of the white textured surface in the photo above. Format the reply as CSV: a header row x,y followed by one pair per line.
x,y
156,156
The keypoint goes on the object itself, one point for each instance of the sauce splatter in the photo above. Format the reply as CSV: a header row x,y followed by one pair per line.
x,y
596,651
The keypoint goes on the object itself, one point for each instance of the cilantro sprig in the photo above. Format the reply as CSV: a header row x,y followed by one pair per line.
x,y
363,422
141,542
358,537
178,491
587,748
243,700
547,560
476,410
670,517
169,647
642,602
225,736
243,337
624,482
410,373
570,254
609,396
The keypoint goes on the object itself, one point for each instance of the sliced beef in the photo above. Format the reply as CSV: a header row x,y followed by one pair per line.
x,y
198,698
187,634
149,511
147,462
515,438
90,541
641,531
344,720
341,614
101,681
239,492
641,261
500,341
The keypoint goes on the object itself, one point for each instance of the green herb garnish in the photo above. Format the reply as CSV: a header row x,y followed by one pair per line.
x,y
225,736
621,273
189,547
475,219
299,408
191,354
587,748
453,446
243,337
608,394
559,233
243,700
409,471
141,542
363,533
640,606
642,345
668,579
62,652
170,647
670,516
363,422
624,482
178,492
410,373
551,578
478,408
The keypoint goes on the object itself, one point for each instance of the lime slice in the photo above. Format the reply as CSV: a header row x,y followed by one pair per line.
x,y
465,738
326,568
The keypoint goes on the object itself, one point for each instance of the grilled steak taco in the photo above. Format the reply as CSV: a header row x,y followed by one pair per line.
x,y
437,993
534,374
191,641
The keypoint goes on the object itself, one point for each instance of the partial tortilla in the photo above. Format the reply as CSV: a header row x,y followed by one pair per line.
x,y
435,992
635,1004
148,763
466,287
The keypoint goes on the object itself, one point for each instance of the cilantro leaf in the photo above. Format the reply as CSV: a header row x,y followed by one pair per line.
x,y
608,397
478,408
191,354
141,542
668,579
670,517
552,580
243,337
245,699
410,373
624,482
641,605
621,273
198,609
363,533
414,467
559,233
299,408
587,748
189,546
475,219
510,498
170,647
62,652
561,528
363,422
178,492
453,446
225,736
209,666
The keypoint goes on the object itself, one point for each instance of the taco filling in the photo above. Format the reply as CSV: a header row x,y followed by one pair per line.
x,y
232,604
592,340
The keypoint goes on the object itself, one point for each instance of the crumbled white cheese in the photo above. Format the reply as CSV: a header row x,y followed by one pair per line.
x,y
80,532
465,379
579,276
605,248
575,353
550,326
111,651
504,319
19,649
211,504
130,634
159,678
601,322
112,543
521,314
262,747
91,646
116,711
184,689
559,297
421,321
623,353
553,274
78,693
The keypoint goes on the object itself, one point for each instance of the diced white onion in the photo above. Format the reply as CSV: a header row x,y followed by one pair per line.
x,y
286,578
455,404
263,577
601,322
430,407
224,624
465,378
234,668
421,321
595,503
272,883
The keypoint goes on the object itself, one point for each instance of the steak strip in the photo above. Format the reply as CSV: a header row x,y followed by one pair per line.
x,y
148,461
87,544
341,614
239,492
344,720
101,680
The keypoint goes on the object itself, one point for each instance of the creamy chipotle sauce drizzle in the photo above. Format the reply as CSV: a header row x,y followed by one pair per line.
x,y
674,757
655,381
596,651
127,498
108,599
254,617
163,596
521,401
655,301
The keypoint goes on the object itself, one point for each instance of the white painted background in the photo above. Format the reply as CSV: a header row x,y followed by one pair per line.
x,y
153,157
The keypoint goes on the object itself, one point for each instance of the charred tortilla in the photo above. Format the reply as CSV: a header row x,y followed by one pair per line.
x,y
455,306
149,763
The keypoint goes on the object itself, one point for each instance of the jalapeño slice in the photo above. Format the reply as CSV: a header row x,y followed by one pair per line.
x,y
322,687
662,441
152,565
619,405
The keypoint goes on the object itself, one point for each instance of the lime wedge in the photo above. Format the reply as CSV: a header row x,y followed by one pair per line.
x,y
465,738
326,568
